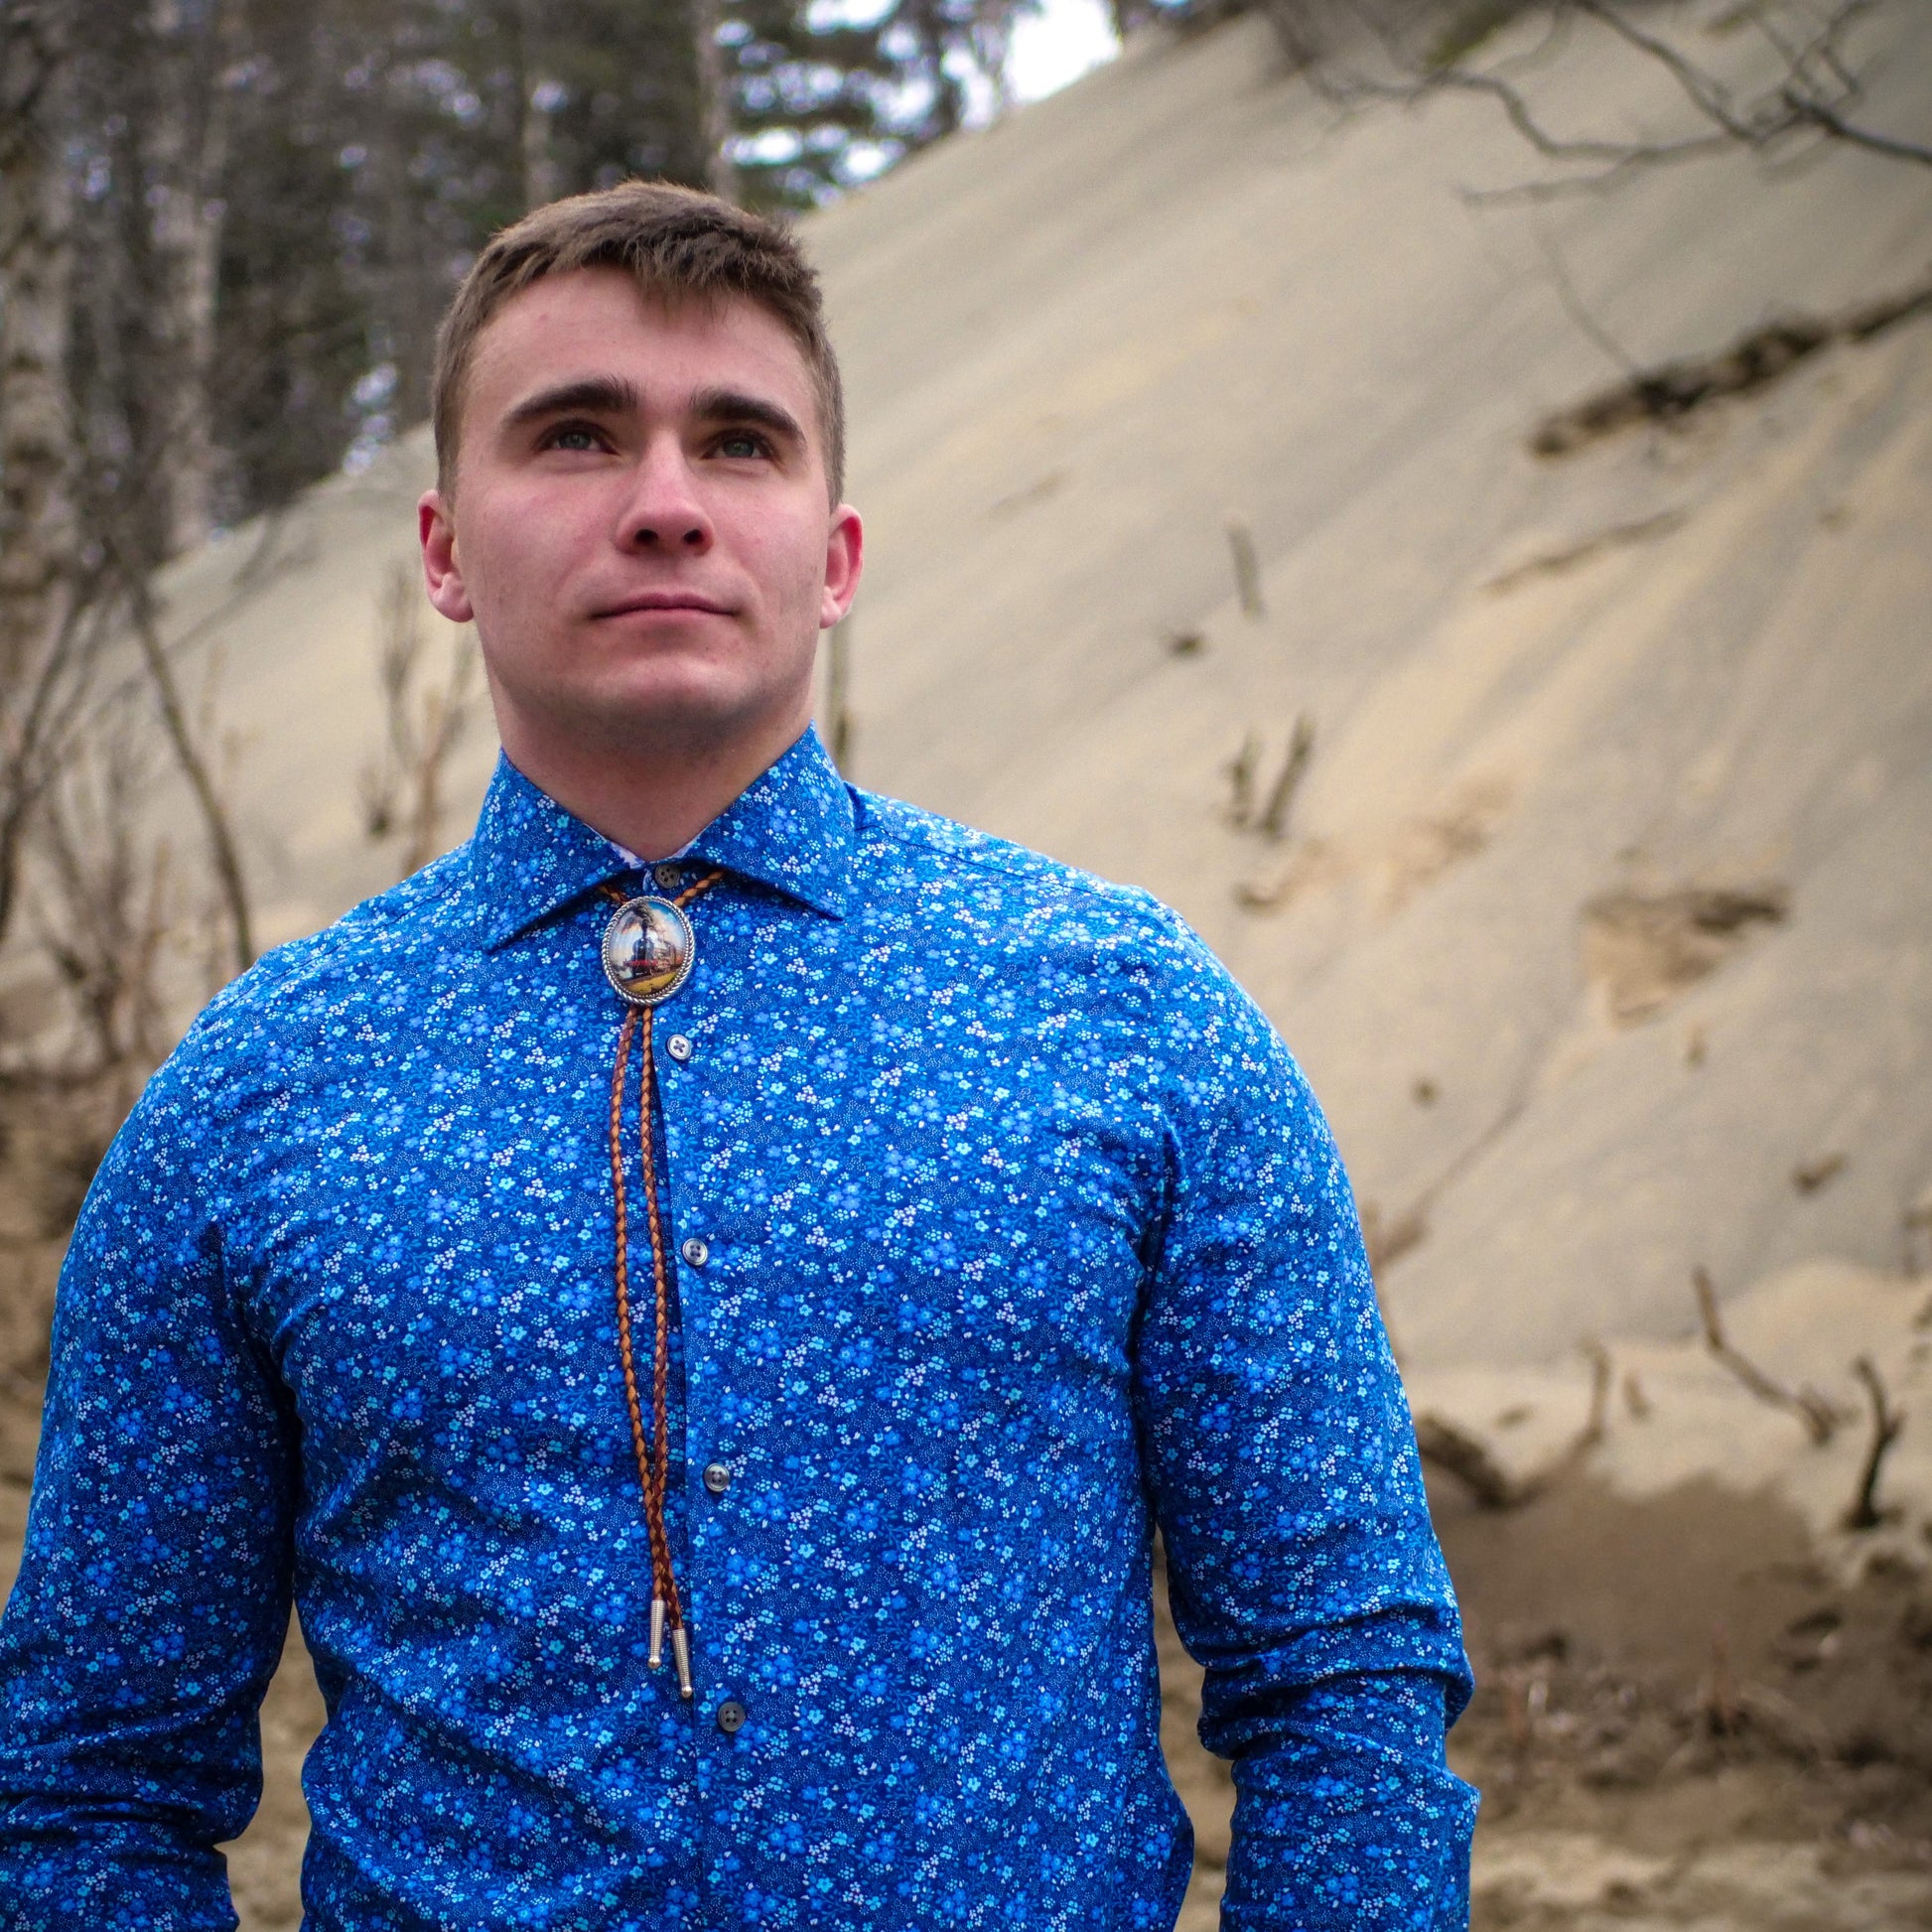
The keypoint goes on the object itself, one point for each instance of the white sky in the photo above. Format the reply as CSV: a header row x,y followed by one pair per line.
x,y
1058,43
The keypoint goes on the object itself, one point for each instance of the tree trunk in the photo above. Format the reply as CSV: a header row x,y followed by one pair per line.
x,y
37,526
186,151
714,101
407,292
38,529
531,110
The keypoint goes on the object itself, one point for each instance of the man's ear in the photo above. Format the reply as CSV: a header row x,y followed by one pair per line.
x,y
845,557
441,574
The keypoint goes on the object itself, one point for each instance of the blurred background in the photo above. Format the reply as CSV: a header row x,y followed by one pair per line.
x,y
1438,490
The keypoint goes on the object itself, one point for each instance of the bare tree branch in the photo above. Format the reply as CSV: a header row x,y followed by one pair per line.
x,y
1827,120
1814,92
37,524
1820,1419
422,723
1886,1427
1709,95
38,626
104,934
1577,309
1288,781
224,853
1458,1452
37,717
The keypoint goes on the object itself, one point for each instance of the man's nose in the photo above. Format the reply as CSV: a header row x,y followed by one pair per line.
x,y
664,510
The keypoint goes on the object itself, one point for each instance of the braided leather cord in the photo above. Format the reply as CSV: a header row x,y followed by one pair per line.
x,y
653,1446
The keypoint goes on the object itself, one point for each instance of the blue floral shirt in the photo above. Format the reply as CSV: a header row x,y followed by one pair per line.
x,y
1010,1231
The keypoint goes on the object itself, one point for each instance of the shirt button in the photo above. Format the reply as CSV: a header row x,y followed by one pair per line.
x,y
717,1479
669,878
679,1048
695,1252
731,1717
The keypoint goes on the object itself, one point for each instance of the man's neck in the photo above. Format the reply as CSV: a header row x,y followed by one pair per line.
x,y
651,800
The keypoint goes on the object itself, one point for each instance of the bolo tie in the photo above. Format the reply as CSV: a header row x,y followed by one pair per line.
x,y
649,949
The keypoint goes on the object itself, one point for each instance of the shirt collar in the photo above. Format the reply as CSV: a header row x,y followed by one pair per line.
x,y
790,829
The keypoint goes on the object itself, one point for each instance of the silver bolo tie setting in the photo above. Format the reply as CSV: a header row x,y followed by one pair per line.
x,y
649,949
647,952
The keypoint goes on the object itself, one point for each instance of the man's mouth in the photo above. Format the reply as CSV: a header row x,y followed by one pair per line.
x,y
649,601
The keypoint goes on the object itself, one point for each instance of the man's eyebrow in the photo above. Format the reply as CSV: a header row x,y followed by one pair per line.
x,y
737,406
601,395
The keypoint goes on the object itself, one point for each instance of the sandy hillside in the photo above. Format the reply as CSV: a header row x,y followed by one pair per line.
x,y
1545,696
1599,914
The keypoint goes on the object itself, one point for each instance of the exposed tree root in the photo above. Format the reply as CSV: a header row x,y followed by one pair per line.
x,y
1672,390
1458,1452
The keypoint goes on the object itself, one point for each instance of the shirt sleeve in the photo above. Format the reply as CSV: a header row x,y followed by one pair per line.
x,y
153,1596
1304,1575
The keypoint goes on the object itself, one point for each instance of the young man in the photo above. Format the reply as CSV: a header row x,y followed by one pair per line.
x,y
705,1293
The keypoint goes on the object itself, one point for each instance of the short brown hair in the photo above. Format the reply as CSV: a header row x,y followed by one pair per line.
x,y
678,244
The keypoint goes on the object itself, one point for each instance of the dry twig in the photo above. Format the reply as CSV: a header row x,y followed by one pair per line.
x,y
1458,1452
1916,1223
1465,1457
1388,1240
1240,771
1669,391
1247,568
1809,1175
1717,1698
838,694
1281,795
1820,1419
1811,97
101,915
225,854
1886,1426
418,747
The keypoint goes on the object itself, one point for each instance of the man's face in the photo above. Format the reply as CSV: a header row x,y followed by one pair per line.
x,y
638,523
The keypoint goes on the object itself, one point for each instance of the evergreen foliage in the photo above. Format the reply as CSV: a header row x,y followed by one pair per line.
x,y
272,203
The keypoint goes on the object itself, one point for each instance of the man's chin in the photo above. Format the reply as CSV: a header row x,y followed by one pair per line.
x,y
677,717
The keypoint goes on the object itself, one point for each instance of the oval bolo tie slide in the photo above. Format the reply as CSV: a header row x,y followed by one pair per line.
x,y
648,948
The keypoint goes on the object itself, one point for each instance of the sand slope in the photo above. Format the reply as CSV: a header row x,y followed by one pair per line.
x,y
1184,289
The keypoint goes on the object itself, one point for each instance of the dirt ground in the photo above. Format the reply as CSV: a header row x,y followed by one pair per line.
x,y
1684,1719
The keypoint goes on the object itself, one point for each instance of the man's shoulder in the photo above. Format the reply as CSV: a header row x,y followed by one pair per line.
x,y
249,1046
1085,936
1039,902
927,847
344,956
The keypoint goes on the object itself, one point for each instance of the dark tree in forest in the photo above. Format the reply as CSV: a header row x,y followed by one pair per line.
x,y
273,203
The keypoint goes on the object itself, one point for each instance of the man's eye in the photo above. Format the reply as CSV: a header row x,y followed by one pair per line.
x,y
739,444
571,436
